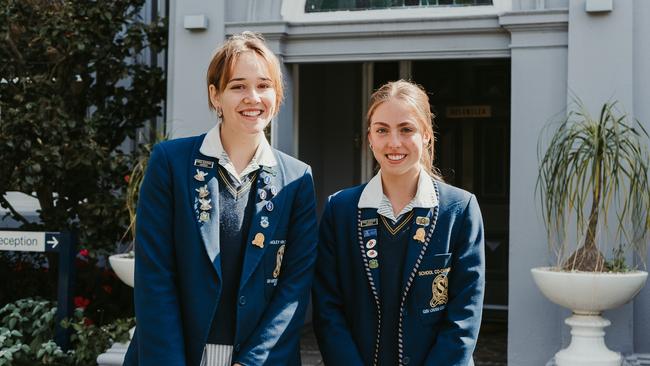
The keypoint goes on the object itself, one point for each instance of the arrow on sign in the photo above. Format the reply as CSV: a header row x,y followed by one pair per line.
x,y
53,241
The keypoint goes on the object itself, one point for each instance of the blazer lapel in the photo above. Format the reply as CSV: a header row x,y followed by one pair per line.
x,y
422,229
204,193
268,213
367,225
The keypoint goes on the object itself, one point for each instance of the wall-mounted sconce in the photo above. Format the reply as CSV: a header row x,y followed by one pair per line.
x,y
195,22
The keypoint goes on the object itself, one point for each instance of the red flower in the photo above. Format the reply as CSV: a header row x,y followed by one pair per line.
x,y
127,178
108,289
84,252
88,321
81,302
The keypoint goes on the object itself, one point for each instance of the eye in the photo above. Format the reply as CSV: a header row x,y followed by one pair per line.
x,y
406,130
265,86
381,130
237,87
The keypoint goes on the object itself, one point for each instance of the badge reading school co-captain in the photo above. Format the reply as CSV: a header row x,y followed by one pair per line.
x,y
439,290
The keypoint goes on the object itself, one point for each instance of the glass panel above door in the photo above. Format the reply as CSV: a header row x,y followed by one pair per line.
x,y
314,6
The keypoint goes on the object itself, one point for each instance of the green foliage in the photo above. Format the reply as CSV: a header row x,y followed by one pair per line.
x,y
73,87
27,329
593,168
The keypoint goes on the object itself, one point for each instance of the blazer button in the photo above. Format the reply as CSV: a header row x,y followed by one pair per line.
x,y
406,360
242,300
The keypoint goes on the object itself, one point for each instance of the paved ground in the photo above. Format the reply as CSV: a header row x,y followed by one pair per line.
x,y
490,351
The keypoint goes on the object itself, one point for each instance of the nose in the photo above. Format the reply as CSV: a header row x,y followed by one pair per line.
x,y
252,97
394,140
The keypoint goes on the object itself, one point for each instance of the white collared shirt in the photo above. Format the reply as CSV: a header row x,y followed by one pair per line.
x,y
213,147
373,197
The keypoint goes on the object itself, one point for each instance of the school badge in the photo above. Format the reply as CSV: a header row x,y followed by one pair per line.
x,y
439,290
278,261
419,235
258,241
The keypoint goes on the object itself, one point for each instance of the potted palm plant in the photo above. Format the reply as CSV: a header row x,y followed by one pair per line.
x,y
593,173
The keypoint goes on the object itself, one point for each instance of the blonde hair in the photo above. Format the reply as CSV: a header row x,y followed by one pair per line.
x,y
225,57
416,98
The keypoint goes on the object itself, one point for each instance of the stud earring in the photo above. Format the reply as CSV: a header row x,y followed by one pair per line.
x,y
219,112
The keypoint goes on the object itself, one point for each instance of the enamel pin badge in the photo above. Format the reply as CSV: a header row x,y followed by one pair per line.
x,y
369,222
422,220
373,263
258,241
203,163
419,235
200,175
203,191
278,261
264,222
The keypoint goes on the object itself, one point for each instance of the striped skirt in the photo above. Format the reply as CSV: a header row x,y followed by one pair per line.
x,y
217,355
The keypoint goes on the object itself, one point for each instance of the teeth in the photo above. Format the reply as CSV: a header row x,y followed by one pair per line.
x,y
395,156
251,113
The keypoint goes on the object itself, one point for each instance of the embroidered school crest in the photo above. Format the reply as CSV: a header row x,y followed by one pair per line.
x,y
439,290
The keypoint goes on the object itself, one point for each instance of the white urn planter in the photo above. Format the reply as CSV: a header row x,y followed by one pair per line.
x,y
588,294
124,267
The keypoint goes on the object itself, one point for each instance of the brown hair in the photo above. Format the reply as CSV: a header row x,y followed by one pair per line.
x,y
416,98
225,57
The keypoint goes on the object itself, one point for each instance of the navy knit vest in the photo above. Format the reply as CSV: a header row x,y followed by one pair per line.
x,y
236,203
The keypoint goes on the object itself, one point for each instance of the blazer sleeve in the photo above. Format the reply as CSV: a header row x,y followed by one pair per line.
x,y
277,335
159,329
334,338
459,329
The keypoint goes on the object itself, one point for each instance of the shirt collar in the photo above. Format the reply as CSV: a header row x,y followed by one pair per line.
x,y
425,196
212,147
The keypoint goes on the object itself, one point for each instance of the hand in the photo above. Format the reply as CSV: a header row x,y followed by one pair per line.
x,y
236,364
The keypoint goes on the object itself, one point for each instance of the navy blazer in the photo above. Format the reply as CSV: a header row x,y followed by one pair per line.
x,y
433,329
178,271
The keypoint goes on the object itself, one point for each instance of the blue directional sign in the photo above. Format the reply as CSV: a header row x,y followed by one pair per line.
x,y
29,241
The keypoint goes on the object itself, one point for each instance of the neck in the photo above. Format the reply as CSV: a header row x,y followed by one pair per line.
x,y
400,189
239,147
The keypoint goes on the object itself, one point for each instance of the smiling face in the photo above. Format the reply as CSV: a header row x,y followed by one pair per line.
x,y
396,138
249,98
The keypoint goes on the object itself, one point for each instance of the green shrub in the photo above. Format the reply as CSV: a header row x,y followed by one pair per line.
x,y
27,330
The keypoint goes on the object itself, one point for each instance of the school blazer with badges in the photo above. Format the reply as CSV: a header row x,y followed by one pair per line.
x,y
443,282
178,271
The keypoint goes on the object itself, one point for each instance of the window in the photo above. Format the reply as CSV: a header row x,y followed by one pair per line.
x,y
313,6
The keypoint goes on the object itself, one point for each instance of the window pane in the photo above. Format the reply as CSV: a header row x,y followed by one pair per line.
x,y
312,6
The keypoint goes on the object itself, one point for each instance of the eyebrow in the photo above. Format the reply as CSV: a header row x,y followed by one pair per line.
x,y
244,79
401,124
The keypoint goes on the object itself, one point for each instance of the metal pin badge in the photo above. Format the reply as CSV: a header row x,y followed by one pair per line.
x,y
371,243
422,220
369,232
264,222
373,263
369,222
269,206
203,163
258,241
204,216
371,253
262,194
267,179
273,190
419,234
205,204
203,191
200,175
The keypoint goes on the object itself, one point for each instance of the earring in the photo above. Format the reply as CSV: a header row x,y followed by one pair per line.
x,y
219,112
370,146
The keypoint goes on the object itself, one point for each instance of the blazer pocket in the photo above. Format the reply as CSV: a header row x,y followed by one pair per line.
x,y
432,287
